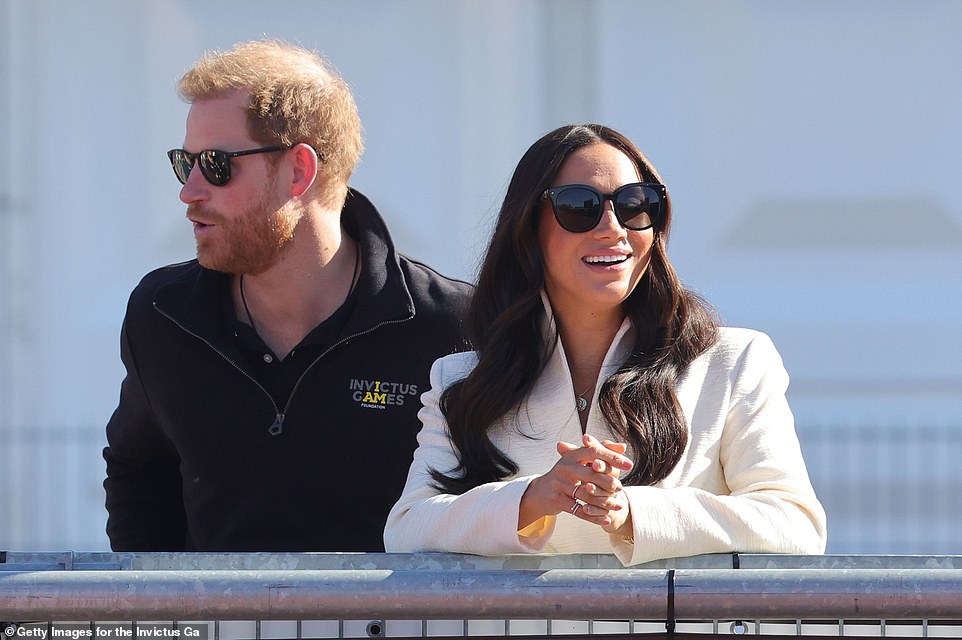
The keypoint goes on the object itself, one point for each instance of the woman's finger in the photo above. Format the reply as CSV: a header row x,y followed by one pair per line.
x,y
608,454
565,447
589,493
617,447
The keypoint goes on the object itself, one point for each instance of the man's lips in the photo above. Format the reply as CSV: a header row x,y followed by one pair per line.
x,y
202,228
200,218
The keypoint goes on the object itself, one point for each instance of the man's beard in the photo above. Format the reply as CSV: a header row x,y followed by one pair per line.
x,y
252,242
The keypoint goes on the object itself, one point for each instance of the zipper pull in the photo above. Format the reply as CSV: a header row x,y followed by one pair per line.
x,y
278,426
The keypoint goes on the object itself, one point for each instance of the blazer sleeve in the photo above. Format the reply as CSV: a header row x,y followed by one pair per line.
x,y
482,521
771,507
143,485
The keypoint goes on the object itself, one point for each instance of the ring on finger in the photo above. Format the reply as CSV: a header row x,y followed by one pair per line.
x,y
575,507
574,492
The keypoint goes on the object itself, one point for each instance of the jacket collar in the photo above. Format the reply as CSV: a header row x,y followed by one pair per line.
x,y
549,412
194,301
555,380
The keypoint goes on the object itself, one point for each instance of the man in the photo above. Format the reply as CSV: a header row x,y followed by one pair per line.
x,y
273,384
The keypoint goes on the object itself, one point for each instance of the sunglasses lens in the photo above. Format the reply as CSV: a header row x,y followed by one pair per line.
x,y
181,164
637,207
577,209
215,165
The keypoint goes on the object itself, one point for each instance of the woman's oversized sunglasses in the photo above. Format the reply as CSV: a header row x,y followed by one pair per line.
x,y
214,163
578,207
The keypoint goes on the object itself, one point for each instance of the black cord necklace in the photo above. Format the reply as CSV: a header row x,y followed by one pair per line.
x,y
247,310
250,320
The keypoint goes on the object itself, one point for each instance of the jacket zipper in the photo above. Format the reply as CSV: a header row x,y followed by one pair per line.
x,y
278,425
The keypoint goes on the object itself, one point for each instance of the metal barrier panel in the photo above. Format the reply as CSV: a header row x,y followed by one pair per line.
x,y
50,596
886,488
277,630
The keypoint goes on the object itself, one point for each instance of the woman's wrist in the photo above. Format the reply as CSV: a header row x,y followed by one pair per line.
x,y
528,513
624,529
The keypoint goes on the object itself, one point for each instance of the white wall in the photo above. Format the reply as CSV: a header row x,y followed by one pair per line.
x,y
813,151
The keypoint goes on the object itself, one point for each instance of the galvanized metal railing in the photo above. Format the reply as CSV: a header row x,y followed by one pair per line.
x,y
51,587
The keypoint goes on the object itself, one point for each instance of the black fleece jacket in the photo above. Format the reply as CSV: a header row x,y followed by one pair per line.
x,y
192,463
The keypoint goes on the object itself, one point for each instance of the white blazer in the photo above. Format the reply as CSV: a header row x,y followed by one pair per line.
x,y
741,484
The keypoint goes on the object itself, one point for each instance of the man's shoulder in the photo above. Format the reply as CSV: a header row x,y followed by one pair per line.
x,y
170,273
179,273
429,286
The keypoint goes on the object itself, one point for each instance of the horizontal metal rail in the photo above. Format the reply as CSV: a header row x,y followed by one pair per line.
x,y
481,594
107,561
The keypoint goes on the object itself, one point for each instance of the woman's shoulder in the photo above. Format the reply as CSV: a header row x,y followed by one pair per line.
x,y
737,354
740,337
739,344
453,367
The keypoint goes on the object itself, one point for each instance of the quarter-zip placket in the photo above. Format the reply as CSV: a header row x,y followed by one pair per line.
x,y
277,427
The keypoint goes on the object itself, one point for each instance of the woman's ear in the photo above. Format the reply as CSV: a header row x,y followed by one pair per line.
x,y
304,168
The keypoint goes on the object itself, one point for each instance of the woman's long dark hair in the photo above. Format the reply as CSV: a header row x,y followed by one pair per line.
x,y
672,326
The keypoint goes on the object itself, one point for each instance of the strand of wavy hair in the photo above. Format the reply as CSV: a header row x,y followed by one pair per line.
x,y
672,327
504,325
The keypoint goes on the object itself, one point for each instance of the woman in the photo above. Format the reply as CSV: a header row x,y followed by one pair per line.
x,y
603,409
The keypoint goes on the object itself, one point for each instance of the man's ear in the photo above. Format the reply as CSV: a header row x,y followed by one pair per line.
x,y
304,160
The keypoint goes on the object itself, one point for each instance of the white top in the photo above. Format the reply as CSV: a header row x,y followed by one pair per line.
x,y
741,484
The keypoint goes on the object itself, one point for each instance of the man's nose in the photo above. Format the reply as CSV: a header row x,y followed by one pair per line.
x,y
196,187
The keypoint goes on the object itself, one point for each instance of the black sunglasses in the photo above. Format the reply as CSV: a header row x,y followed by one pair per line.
x,y
214,163
578,207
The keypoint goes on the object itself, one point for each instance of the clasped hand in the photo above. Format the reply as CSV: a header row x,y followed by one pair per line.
x,y
584,482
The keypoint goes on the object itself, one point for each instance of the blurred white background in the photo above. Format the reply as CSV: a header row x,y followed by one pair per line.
x,y
813,152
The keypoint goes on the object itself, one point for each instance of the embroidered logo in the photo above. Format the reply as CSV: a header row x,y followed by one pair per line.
x,y
380,394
